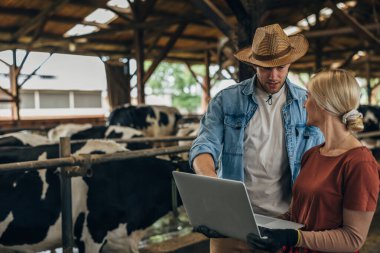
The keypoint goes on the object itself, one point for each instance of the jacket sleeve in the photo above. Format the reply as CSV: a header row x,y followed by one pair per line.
x,y
210,137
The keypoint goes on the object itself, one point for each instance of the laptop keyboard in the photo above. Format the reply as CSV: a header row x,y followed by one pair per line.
x,y
262,220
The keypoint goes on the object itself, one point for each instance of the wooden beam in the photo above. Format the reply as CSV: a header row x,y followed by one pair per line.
x,y
337,31
147,9
346,62
193,73
361,30
40,18
139,25
211,12
165,51
122,15
206,83
139,51
244,19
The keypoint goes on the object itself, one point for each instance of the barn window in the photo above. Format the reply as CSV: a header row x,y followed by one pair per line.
x,y
27,99
87,99
54,99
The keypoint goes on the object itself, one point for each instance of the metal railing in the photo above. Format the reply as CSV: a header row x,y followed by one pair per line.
x,y
66,162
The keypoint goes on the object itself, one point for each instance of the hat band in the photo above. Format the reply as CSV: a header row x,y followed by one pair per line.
x,y
271,57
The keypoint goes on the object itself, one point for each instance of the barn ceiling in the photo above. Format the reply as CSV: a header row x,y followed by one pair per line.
x,y
341,34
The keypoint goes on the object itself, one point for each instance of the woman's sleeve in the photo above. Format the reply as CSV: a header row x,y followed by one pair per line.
x,y
349,238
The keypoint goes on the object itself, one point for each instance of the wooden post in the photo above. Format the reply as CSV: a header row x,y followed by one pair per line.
x,y
66,203
15,107
127,72
206,83
139,47
318,44
368,78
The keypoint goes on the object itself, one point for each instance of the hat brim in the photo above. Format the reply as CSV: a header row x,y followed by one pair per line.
x,y
299,45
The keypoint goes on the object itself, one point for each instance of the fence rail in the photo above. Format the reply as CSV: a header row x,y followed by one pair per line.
x,y
80,160
84,161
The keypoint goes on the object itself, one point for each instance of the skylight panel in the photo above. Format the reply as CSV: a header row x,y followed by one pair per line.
x,y
119,3
101,16
81,30
291,30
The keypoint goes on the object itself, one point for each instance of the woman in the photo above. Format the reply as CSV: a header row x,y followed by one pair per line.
x,y
335,194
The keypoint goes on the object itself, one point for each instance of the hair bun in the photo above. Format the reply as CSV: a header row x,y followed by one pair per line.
x,y
351,115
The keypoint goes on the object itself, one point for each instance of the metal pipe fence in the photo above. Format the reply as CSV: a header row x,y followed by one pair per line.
x,y
66,161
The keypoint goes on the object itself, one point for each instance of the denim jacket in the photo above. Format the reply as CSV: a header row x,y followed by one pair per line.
x,y
222,128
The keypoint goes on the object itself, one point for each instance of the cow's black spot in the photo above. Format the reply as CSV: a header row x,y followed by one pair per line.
x,y
131,116
95,132
10,141
164,119
78,230
114,135
26,197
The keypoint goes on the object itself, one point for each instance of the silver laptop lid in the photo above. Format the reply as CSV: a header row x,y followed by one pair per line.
x,y
220,204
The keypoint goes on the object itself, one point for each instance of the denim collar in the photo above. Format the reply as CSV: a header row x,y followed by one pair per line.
x,y
250,89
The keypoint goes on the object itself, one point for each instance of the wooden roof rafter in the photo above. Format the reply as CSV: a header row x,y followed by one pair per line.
x,y
39,20
216,16
356,26
165,51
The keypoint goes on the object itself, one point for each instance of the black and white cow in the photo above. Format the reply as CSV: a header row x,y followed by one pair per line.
x,y
371,117
111,209
153,120
188,129
23,139
88,131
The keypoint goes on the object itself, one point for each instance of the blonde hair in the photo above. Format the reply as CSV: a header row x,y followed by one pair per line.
x,y
338,92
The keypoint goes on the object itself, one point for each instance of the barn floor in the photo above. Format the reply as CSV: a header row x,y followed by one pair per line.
x,y
194,242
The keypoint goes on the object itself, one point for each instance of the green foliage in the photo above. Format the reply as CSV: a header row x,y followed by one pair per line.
x,y
175,79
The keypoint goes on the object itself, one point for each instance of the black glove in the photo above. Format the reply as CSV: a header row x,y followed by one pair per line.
x,y
276,239
208,232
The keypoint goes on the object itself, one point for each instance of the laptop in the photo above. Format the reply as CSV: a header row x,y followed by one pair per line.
x,y
224,206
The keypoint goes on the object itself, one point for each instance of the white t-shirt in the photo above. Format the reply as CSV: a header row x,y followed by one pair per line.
x,y
267,173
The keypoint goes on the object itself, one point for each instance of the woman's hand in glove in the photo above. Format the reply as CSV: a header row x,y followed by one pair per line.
x,y
273,239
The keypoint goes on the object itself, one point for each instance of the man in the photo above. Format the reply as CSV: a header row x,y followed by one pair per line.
x,y
255,131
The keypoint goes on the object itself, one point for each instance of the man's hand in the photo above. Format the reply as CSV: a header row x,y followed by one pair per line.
x,y
275,239
208,232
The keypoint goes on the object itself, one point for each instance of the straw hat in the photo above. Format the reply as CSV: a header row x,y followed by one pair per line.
x,y
271,47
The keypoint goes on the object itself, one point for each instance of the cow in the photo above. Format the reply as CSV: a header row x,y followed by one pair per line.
x,y
88,131
111,209
371,117
371,120
188,129
23,139
153,120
